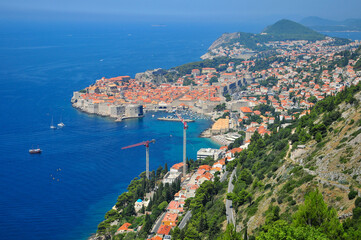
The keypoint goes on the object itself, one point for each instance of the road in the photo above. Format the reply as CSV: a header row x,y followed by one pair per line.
x,y
185,219
188,215
158,223
224,177
229,206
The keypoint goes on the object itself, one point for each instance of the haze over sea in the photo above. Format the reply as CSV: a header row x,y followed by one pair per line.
x,y
64,192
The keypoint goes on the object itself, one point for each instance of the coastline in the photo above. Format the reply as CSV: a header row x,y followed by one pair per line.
x,y
95,235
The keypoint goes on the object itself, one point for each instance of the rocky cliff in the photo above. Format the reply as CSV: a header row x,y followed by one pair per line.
x,y
225,38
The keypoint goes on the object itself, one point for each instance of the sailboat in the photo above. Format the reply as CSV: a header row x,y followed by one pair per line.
x,y
61,124
52,124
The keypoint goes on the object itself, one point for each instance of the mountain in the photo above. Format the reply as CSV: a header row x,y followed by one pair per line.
x,y
280,31
289,30
321,24
317,21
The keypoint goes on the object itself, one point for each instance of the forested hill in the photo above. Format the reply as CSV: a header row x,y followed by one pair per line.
x,y
289,30
280,31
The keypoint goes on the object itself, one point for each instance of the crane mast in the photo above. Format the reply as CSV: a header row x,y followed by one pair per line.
x,y
146,144
185,127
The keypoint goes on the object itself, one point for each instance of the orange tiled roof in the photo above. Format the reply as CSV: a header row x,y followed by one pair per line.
x,y
177,166
246,110
125,226
155,238
205,167
164,230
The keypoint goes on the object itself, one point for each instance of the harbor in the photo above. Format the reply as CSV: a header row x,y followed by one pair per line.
x,y
172,119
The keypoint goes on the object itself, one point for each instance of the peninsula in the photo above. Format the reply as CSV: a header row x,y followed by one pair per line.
x,y
289,125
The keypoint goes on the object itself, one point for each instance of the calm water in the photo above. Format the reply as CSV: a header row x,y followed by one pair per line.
x,y
65,192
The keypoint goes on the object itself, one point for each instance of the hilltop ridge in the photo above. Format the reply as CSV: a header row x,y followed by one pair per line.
x,y
321,24
289,30
281,30
247,45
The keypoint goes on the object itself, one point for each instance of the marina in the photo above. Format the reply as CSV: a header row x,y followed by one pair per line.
x,y
172,119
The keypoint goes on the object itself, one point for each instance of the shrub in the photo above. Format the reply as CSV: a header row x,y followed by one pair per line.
x,y
352,194
318,137
344,160
343,140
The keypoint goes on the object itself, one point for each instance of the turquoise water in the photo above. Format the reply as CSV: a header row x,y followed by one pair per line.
x,y
64,192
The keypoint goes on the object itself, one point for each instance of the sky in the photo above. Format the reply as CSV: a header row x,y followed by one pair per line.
x,y
164,11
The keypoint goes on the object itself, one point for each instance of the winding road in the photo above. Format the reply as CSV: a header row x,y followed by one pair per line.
x,y
229,207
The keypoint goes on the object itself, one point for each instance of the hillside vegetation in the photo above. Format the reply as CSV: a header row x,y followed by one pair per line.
x,y
300,182
289,30
280,175
280,31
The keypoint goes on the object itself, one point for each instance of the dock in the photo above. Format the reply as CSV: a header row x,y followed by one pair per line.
x,y
173,119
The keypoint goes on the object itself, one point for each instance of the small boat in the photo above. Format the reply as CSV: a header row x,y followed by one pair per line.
x,y
61,124
52,124
35,150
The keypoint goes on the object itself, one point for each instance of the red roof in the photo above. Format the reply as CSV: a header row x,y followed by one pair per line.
x,y
205,167
235,150
125,226
155,238
177,166
164,230
246,110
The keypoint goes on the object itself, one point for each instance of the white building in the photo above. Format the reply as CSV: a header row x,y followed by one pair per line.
x,y
210,152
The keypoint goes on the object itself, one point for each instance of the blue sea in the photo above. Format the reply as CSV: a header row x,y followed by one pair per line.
x,y
64,192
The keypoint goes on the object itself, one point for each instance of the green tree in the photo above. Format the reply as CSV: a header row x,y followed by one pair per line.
x,y
312,99
315,213
246,176
220,107
129,210
147,225
318,137
230,234
213,80
352,194
282,230
118,237
203,225
165,170
159,172
192,233
176,233
163,205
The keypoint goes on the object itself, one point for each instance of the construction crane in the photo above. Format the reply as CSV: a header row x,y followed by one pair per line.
x,y
146,144
185,127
